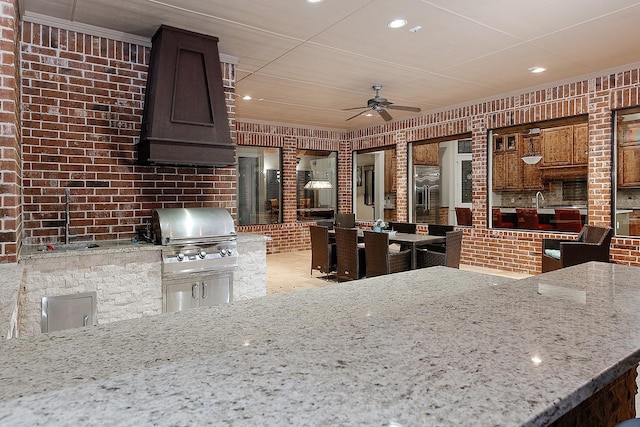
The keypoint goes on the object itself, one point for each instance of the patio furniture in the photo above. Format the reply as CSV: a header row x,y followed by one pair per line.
x,y
592,245
438,230
463,216
404,227
346,220
451,256
323,253
379,259
528,220
568,220
496,215
350,258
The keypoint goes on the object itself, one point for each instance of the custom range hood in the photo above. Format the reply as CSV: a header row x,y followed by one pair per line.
x,y
185,115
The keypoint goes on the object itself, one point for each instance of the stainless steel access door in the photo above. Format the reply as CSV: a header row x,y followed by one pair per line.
x,y
68,311
197,290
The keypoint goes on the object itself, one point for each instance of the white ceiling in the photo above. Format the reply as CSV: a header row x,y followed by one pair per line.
x,y
304,63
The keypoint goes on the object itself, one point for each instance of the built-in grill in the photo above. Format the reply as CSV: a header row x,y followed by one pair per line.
x,y
199,256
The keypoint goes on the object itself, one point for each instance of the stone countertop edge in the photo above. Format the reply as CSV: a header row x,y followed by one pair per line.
x,y
435,346
111,246
10,280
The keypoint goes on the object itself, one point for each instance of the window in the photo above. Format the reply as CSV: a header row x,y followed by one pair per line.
x,y
538,175
374,185
259,185
439,180
627,176
316,185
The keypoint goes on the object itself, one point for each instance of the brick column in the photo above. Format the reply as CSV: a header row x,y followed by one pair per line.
x,y
10,139
600,152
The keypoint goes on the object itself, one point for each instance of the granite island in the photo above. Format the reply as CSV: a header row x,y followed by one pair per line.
x,y
434,346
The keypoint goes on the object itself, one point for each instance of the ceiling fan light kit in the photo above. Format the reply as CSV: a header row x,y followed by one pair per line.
x,y
380,105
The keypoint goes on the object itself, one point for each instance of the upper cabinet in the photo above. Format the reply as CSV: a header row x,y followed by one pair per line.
x,y
629,154
531,174
565,146
506,162
389,171
426,154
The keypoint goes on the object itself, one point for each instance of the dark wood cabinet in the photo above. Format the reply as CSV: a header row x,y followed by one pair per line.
x,y
629,154
581,144
557,146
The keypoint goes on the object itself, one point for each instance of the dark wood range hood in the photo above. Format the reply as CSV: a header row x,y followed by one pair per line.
x,y
185,116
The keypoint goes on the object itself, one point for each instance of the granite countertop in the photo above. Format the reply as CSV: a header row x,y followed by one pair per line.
x,y
10,279
435,346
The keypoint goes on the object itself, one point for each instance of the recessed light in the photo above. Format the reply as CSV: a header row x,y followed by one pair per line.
x,y
247,97
537,69
368,114
314,1
397,23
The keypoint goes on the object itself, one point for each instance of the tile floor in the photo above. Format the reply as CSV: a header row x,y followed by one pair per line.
x,y
290,271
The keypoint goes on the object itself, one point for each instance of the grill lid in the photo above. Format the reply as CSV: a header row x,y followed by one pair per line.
x,y
192,225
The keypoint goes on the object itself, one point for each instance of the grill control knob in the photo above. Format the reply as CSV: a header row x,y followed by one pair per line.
x,y
202,254
229,251
180,256
223,252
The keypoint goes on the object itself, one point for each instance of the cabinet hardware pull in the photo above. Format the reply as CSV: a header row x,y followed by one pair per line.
x,y
204,290
85,320
194,291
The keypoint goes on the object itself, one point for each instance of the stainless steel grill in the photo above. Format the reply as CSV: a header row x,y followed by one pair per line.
x,y
199,256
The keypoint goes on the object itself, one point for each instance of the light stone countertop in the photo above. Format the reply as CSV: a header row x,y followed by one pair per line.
x,y
10,279
434,346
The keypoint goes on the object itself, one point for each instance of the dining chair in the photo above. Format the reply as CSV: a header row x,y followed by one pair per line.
x,y
463,216
379,259
592,245
568,220
323,253
528,219
451,256
345,220
438,230
404,227
350,257
496,215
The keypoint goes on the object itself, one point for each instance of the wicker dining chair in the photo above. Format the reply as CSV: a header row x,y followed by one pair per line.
x,y
438,230
323,253
451,256
404,227
350,258
379,259
345,220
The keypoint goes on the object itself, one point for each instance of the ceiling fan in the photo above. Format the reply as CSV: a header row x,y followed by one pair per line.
x,y
380,105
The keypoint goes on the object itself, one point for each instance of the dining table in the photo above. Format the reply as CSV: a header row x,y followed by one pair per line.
x,y
410,240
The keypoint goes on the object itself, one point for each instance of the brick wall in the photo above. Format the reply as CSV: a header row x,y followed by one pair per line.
x,y
82,106
11,170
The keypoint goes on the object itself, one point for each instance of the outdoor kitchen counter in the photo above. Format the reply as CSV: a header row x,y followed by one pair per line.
x,y
435,346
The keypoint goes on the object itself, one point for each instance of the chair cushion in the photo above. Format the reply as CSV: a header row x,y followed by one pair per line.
x,y
394,247
553,253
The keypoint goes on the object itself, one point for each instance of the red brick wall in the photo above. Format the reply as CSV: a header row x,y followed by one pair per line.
x,y
11,169
82,107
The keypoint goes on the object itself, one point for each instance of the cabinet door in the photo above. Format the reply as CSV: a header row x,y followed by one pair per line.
x,y
557,146
216,290
389,172
426,154
499,171
181,295
513,179
580,144
629,166
531,174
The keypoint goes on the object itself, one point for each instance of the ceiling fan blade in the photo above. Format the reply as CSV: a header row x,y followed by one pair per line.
x,y
403,108
386,116
356,115
354,108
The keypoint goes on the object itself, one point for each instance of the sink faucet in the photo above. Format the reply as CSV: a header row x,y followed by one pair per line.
x,y
539,193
